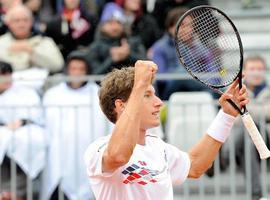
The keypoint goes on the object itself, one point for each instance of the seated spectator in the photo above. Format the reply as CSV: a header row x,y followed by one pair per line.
x,y
259,108
32,55
22,139
164,55
25,49
73,120
139,23
73,28
5,5
112,47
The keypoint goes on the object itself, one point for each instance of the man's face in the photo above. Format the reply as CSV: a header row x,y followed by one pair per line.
x,y
113,28
254,73
20,24
76,68
150,109
5,84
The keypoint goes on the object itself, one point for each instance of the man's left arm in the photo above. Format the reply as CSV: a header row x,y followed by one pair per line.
x,y
205,151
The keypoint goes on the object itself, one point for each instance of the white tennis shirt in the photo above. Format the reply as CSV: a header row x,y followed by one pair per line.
x,y
150,173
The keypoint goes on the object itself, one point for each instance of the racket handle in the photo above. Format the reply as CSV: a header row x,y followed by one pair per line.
x,y
255,136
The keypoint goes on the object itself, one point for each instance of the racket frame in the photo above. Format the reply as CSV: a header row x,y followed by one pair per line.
x,y
239,75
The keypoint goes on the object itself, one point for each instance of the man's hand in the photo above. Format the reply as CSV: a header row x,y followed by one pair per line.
x,y
239,97
144,73
21,46
120,53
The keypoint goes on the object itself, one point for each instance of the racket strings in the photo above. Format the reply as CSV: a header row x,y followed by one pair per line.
x,y
211,47
204,37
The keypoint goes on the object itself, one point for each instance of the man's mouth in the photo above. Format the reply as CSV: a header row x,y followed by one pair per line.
x,y
156,114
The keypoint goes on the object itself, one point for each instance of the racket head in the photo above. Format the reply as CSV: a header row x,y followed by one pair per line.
x,y
209,46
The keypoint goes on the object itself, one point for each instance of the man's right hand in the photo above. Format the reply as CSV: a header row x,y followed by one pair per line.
x,y
145,72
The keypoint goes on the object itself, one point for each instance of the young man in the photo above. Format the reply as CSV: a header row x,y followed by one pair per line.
x,y
73,118
130,163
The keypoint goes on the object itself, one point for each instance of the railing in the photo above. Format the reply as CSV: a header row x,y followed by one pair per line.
x,y
227,179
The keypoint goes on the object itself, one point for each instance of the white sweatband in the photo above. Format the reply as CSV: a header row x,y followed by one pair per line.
x,y
221,126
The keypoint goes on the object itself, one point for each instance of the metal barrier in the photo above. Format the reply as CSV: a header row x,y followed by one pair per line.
x,y
228,179
232,182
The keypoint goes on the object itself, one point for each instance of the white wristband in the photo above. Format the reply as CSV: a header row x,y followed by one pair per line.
x,y
221,126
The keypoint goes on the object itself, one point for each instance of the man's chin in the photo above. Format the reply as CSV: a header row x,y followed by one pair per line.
x,y
153,125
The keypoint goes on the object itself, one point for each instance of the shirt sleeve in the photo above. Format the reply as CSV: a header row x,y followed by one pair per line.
x,y
179,164
93,159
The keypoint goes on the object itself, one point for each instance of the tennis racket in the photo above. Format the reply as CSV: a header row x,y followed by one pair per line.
x,y
209,46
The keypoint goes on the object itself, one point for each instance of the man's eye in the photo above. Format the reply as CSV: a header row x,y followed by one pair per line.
x,y
147,95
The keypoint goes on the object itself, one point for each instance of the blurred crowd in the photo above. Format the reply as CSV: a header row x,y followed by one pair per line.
x,y
39,39
37,36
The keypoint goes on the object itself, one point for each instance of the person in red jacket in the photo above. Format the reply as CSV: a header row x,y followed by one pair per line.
x,y
73,28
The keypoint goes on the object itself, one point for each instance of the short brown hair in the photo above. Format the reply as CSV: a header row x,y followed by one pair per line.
x,y
117,84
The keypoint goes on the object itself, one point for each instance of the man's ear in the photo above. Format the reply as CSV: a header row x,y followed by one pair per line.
x,y
119,106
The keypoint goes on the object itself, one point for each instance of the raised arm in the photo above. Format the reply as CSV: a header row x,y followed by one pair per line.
x,y
126,132
203,154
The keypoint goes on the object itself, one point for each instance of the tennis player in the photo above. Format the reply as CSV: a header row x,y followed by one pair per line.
x,y
132,164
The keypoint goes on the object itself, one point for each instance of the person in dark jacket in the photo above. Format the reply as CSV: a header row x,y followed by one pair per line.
x,y
73,28
112,47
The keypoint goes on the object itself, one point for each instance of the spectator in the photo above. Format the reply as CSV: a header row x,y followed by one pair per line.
x,y
73,28
25,49
139,23
259,108
164,54
22,138
112,47
73,120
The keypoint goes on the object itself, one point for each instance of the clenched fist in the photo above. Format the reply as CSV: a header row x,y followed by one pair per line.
x,y
144,73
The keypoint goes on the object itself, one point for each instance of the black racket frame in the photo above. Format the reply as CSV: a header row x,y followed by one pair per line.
x,y
239,75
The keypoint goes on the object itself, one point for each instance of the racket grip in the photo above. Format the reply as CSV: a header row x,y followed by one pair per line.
x,y
255,136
